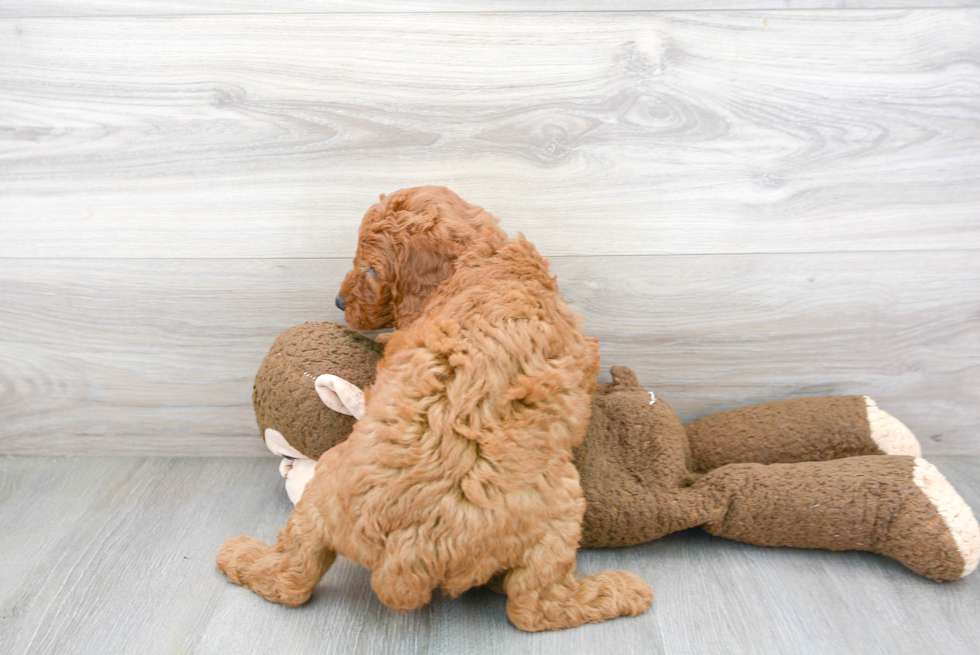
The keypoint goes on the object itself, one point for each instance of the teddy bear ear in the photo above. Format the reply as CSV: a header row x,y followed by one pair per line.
x,y
340,395
624,377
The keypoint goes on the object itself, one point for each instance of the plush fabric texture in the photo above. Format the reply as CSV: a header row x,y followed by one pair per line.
x,y
955,513
857,503
642,479
461,467
284,396
636,472
797,430
890,434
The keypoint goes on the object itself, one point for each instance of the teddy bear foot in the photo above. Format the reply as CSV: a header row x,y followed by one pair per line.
x,y
900,507
940,518
889,434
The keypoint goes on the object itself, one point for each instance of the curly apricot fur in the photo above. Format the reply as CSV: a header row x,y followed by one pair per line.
x,y
461,469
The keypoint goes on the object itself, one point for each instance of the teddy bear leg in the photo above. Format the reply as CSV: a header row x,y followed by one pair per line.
x,y
798,430
546,594
901,507
285,572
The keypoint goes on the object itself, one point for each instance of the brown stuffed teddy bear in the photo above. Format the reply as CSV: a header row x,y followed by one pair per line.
x,y
830,472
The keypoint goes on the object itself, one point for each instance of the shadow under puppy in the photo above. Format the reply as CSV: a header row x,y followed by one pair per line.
x,y
461,468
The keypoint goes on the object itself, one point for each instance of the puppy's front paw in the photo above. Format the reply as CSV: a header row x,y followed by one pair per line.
x,y
237,557
627,593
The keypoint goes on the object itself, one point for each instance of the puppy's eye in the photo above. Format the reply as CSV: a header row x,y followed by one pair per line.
x,y
370,271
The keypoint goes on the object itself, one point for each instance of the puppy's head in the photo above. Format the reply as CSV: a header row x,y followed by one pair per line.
x,y
408,244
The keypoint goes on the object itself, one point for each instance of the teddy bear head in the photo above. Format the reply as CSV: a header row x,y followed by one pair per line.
x,y
307,393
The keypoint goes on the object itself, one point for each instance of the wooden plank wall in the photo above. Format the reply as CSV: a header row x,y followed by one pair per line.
x,y
751,201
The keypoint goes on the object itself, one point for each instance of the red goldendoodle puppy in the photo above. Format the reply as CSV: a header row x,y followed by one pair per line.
x,y
461,468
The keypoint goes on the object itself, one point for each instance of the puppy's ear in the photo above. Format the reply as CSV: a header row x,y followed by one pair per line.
x,y
422,264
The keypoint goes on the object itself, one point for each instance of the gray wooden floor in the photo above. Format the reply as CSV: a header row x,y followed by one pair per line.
x,y
116,555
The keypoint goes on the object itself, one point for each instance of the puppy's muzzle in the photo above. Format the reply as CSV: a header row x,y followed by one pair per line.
x,y
340,302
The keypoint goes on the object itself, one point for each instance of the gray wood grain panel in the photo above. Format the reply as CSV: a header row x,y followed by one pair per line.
x,y
125,564
712,333
21,8
594,133
94,352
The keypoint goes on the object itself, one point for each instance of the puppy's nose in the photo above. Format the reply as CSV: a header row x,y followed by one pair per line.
x,y
340,302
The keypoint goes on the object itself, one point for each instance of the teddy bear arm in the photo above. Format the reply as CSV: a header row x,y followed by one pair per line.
x,y
818,428
634,469
642,515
